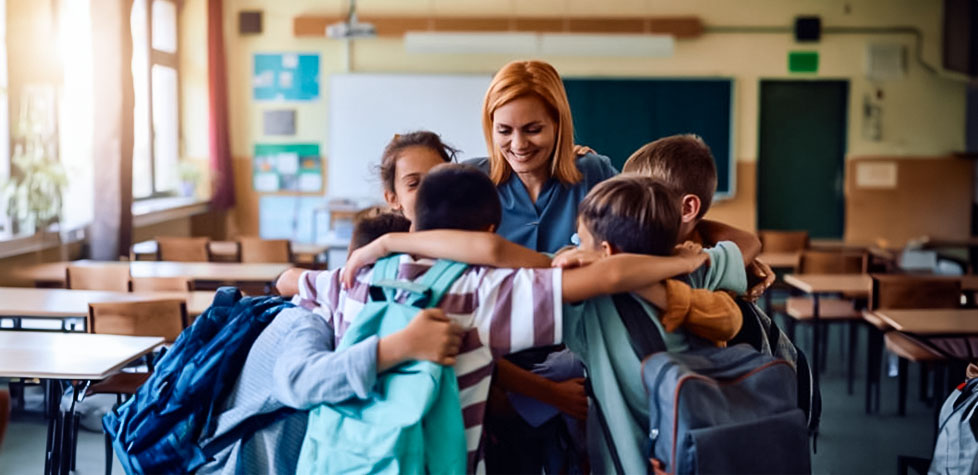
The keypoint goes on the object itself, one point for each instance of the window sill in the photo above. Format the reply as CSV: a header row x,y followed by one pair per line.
x,y
159,210
26,243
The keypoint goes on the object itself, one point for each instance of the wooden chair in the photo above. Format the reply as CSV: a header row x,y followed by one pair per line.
x,y
783,241
831,310
183,249
165,318
265,250
113,277
902,291
161,284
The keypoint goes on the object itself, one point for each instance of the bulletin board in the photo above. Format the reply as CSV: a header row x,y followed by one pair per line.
x,y
286,77
617,116
287,167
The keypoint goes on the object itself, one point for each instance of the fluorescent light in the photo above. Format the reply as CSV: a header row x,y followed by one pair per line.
x,y
484,43
586,44
548,44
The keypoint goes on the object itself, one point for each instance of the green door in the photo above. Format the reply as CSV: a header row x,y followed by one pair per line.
x,y
801,156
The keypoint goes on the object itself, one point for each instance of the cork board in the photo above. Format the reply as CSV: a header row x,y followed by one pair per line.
x,y
931,196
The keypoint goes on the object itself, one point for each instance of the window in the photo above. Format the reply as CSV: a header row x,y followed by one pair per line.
x,y
156,147
4,121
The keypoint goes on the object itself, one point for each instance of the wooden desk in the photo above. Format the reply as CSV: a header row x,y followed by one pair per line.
x,y
817,285
228,251
852,284
780,260
933,321
77,358
53,273
55,355
64,303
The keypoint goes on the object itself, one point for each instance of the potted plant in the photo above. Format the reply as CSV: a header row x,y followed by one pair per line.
x,y
33,193
189,177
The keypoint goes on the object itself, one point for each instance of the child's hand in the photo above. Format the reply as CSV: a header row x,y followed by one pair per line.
x,y
571,398
432,336
762,275
363,256
576,258
693,252
580,150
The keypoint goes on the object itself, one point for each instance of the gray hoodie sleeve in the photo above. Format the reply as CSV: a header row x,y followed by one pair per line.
x,y
309,372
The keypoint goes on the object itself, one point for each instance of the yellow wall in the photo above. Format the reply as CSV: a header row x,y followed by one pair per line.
x,y
923,114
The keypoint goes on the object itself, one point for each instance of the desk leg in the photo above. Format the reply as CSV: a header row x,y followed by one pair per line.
x,y
816,341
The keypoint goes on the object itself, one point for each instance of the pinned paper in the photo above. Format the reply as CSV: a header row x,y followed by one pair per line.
x,y
880,175
285,76
288,167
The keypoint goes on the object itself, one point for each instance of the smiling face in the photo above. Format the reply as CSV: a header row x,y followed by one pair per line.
x,y
412,164
524,131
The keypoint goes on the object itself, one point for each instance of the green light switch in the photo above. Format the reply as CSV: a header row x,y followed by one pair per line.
x,y
803,61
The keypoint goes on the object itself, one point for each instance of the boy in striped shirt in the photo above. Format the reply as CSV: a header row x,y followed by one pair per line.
x,y
503,309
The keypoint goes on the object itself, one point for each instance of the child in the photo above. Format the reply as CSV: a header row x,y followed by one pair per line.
x,y
505,310
685,163
373,222
292,364
406,160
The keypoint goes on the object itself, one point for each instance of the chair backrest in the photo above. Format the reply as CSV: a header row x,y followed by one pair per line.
x,y
783,241
165,318
265,250
183,249
113,277
832,262
161,284
914,291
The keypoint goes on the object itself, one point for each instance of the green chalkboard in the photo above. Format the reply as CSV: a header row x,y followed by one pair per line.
x,y
617,116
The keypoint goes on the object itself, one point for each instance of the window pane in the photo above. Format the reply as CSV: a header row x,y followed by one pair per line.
x,y
75,113
164,26
142,177
166,136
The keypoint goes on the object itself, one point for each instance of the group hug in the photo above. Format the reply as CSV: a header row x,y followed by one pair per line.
x,y
496,315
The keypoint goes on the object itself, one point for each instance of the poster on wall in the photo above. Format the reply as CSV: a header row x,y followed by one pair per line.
x,y
286,77
288,167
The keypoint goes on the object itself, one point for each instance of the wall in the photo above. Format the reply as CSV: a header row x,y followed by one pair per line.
x,y
923,114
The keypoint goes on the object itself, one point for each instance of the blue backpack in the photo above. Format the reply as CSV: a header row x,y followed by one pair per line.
x,y
157,429
412,423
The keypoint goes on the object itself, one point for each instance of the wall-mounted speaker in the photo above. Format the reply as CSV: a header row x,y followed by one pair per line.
x,y
808,28
249,22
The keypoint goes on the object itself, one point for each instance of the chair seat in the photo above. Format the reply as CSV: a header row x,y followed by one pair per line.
x,y
874,320
119,383
802,308
909,348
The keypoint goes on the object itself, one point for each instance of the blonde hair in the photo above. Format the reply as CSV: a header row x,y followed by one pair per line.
x,y
525,78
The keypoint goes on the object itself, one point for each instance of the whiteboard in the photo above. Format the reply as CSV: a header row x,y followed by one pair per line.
x,y
366,110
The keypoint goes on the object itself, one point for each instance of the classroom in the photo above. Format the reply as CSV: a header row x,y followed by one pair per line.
x,y
498,236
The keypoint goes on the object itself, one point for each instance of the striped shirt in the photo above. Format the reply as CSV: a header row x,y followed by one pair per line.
x,y
504,311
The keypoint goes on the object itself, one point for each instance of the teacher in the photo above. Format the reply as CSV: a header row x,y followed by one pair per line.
x,y
532,161
541,178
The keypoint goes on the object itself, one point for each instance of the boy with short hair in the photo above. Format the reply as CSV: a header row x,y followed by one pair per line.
x,y
505,310
685,163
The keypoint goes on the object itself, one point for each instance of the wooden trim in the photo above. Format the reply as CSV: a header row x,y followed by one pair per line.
x,y
684,27
607,25
472,24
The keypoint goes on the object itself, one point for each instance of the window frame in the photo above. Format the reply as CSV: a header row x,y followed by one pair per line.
x,y
166,59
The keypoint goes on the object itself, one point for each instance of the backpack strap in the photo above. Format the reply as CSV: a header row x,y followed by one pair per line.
x,y
643,335
427,292
440,278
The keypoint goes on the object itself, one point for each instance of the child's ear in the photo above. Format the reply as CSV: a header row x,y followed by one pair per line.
x,y
492,228
391,198
691,208
607,249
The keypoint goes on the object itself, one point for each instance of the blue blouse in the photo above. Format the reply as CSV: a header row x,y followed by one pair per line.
x,y
548,224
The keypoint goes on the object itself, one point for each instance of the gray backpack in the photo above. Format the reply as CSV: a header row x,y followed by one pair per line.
x,y
725,410
957,437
